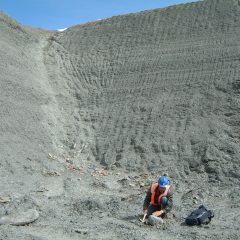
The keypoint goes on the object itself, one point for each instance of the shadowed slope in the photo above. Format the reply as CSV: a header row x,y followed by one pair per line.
x,y
27,106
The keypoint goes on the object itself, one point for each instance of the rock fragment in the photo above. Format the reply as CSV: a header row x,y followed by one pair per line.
x,y
5,199
152,220
20,218
82,231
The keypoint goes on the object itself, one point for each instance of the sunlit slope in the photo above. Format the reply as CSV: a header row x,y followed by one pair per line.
x,y
153,90
158,88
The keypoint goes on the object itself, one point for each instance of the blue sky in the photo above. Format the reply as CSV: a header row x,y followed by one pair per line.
x,y
57,14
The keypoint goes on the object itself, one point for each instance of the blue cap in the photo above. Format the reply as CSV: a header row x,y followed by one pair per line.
x,y
163,181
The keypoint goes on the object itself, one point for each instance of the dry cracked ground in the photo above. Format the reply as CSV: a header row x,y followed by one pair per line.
x,y
91,116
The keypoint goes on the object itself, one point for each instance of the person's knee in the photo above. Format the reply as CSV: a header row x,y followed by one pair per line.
x,y
164,201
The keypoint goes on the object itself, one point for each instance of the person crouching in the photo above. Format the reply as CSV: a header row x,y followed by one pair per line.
x,y
158,201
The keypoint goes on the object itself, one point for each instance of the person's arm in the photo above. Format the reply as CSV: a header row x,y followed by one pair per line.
x,y
147,200
169,205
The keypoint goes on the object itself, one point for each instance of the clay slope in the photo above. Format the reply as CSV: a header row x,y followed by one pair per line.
x,y
27,107
154,89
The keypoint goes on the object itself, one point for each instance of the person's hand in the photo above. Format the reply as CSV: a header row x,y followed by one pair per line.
x,y
158,213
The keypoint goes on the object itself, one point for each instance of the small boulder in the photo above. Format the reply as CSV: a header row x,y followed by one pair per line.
x,y
20,218
152,220
5,199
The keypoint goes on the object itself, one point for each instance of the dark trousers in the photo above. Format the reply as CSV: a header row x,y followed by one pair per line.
x,y
153,209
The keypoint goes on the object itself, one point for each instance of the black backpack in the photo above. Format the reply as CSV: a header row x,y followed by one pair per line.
x,y
199,216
